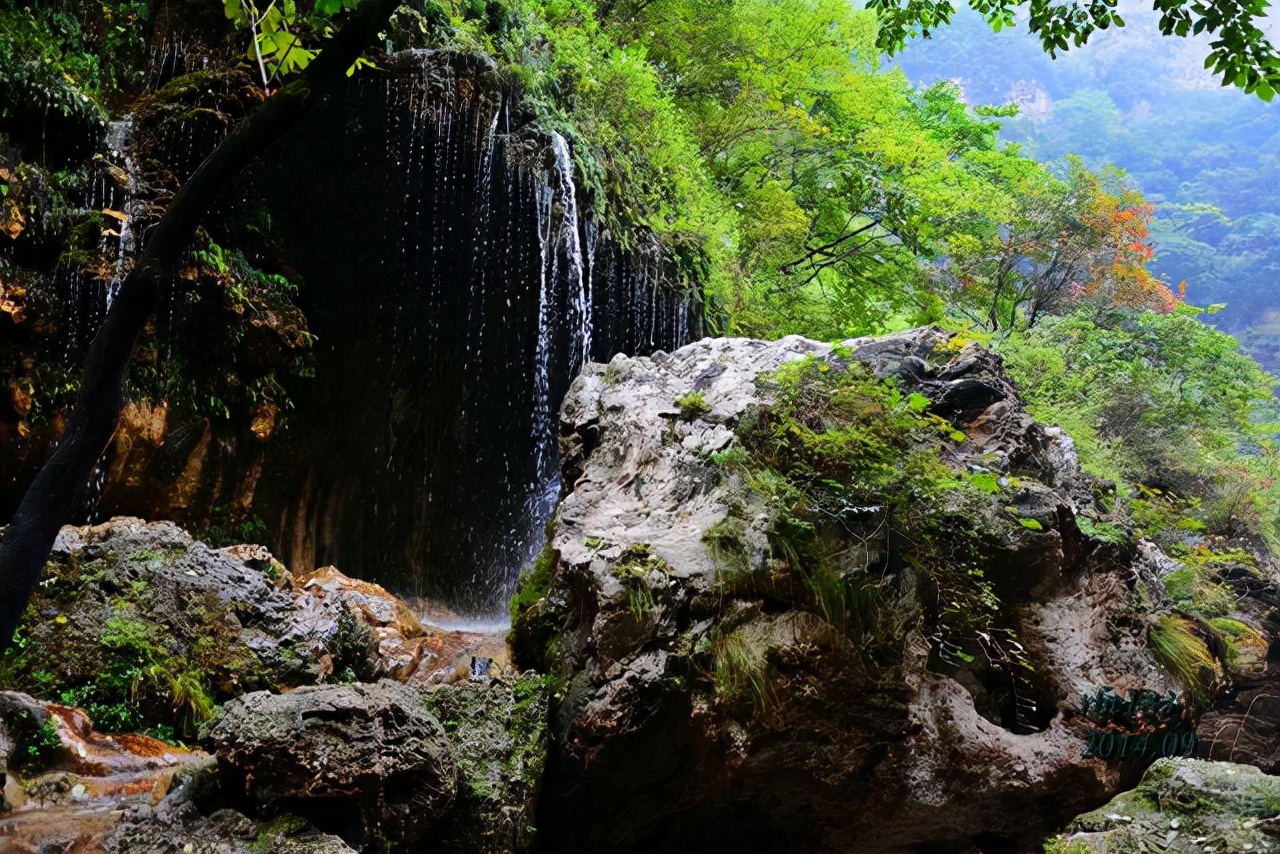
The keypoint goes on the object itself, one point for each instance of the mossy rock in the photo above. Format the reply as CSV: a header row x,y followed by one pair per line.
x,y
499,736
147,629
1185,806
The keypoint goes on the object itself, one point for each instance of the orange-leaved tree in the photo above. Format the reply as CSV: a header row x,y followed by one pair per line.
x,y
1120,218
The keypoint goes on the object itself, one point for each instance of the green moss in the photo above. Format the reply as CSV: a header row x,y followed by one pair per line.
x,y
1244,642
499,738
534,628
535,583
282,827
692,405
132,671
142,683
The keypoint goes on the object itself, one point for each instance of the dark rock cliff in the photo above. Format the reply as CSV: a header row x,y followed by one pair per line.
x,y
363,358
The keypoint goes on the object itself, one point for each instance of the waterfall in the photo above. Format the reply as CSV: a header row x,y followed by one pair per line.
x,y
559,235
454,283
579,299
118,143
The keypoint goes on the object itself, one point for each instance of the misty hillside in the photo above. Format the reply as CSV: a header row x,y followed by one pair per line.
x,y
1208,156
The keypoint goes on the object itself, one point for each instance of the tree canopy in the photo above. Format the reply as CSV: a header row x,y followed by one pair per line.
x,y
1240,54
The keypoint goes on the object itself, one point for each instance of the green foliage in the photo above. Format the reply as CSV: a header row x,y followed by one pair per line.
x,y
1184,655
1189,588
838,454
1165,407
141,675
282,38
742,670
635,568
227,527
1240,53
43,746
71,58
726,539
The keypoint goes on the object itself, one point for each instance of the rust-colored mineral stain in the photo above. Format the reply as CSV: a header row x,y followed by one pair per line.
x,y
21,396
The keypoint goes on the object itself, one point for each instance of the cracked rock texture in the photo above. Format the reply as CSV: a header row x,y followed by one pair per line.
x,y
365,761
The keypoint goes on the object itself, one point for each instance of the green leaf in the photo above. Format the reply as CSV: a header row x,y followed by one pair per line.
x,y
917,401
1031,524
986,481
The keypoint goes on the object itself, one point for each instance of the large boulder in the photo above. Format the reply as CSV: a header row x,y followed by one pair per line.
x,y
825,598
143,625
364,761
1185,806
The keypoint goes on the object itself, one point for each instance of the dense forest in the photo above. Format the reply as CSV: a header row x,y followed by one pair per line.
x,y
1203,154
967,455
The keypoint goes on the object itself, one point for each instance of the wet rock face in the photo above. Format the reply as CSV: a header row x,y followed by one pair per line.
x,y
499,736
365,761
845,657
1185,806
64,783
349,395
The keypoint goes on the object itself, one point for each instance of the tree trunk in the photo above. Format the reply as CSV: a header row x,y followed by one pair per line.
x,y
48,501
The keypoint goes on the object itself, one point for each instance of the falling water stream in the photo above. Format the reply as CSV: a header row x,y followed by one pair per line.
x,y
455,286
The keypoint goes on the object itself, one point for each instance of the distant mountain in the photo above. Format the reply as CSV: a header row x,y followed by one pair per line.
x,y
1209,156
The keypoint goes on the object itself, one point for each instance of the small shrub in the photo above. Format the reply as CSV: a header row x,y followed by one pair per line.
x,y
692,405
742,669
1183,653
634,568
43,745
1198,586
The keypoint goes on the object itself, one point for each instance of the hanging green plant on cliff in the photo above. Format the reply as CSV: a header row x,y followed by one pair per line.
x,y
842,456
